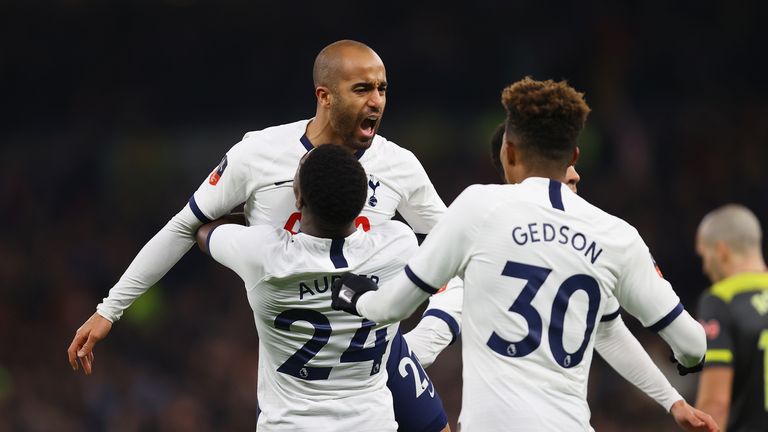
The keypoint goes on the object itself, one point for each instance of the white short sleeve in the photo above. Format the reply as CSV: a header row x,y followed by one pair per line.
x,y
237,248
642,290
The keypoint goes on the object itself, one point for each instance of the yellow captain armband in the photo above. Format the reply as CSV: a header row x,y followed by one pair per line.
x,y
719,356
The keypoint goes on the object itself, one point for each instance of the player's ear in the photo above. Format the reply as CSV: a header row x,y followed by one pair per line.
x,y
508,151
723,252
299,201
575,156
323,95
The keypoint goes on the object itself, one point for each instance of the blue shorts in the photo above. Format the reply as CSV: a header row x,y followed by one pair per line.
x,y
418,407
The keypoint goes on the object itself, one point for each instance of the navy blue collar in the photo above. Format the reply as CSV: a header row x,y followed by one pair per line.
x,y
309,146
555,194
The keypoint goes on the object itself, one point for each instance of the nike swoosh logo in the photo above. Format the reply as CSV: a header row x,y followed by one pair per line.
x,y
283,182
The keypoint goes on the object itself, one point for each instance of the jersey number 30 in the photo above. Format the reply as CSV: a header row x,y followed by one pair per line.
x,y
535,277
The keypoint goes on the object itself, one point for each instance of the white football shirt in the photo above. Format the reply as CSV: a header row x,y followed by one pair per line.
x,y
540,266
259,170
319,369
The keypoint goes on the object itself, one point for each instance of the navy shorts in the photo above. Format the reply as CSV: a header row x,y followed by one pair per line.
x,y
418,407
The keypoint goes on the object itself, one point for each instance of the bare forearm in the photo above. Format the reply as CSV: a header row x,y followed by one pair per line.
x,y
717,410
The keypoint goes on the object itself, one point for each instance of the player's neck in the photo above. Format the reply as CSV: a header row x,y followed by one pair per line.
x,y
543,173
319,131
752,263
311,225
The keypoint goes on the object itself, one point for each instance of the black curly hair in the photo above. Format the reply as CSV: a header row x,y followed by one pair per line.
x,y
333,184
546,116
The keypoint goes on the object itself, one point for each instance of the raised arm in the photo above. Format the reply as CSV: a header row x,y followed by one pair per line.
x,y
217,195
154,260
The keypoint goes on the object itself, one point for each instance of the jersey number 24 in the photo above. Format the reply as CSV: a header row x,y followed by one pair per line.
x,y
296,365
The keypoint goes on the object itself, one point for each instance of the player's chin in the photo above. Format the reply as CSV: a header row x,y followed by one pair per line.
x,y
363,140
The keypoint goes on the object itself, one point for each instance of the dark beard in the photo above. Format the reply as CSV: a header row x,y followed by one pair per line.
x,y
345,125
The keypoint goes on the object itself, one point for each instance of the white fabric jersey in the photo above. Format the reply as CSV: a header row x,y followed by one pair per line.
x,y
319,369
540,267
259,172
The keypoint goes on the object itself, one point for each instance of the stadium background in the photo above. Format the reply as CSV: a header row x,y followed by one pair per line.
x,y
113,112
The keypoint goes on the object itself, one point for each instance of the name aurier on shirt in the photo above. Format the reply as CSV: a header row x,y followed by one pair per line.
x,y
319,286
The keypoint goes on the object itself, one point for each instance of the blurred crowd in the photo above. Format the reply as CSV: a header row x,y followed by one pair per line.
x,y
113,113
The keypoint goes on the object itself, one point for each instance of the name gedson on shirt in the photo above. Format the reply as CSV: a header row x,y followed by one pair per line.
x,y
536,232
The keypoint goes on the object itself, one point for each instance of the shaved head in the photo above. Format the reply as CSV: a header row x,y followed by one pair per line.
x,y
734,225
329,63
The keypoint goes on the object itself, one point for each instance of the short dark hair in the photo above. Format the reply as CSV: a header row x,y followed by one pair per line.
x,y
496,140
546,116
333,184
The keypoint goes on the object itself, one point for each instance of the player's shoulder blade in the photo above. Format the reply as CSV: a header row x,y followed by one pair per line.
x,y
484,195
262,239
395,230
611,226
383,147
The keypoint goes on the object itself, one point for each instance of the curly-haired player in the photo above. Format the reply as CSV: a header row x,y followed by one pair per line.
x,y
540,267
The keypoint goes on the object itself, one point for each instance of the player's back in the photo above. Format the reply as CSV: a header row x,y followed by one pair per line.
x,y
319,369
735,314
541,267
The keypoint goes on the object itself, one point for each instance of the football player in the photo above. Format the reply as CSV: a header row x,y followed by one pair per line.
x,y
540,267
351,91
330,364
734,312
